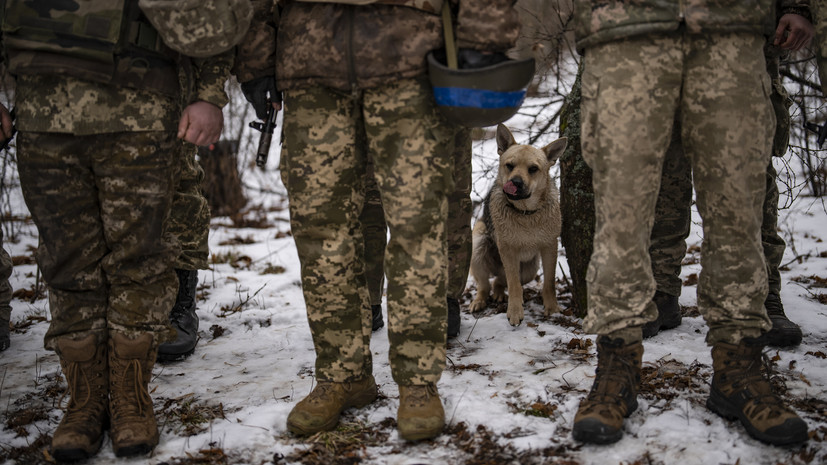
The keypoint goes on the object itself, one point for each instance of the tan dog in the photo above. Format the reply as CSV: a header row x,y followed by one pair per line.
x,y
519,226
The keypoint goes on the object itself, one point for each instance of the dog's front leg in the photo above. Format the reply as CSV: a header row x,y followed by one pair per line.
x,y
511,266
549,256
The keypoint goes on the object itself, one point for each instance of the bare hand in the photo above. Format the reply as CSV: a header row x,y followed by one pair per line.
x,y
201,123
798,30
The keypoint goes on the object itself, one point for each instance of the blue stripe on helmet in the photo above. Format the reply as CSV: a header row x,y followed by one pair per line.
x,y
477,98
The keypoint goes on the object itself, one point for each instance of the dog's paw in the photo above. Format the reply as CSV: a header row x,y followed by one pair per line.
x,y
551,309
477,304
499,295
515,315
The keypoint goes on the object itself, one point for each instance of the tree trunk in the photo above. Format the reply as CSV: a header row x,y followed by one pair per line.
x,y
576,201
222,184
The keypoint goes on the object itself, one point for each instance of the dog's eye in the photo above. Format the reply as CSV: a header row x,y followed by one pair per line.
x,y
509,166
533,169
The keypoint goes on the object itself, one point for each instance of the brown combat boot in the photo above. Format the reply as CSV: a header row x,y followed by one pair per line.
x,y
134,430
320,410
420,414
613,396
740,390
80,432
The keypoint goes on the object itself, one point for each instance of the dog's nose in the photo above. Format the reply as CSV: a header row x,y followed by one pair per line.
x,y
518,183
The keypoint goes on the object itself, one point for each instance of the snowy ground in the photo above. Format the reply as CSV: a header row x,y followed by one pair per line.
x,y
510,394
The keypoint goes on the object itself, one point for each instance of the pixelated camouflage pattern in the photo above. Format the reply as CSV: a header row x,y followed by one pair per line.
x,y
600,21
457,229
325,175
5,287
672,214
199,28
632,91
208,78
63,104
673,217
100,203
346,46
189,219
772,242
375,232
432,6
29,25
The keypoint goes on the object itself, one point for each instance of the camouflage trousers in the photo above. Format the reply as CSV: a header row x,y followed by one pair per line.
x,y
673,216
457,229
324,172
100,203
5,287
189,219
633,90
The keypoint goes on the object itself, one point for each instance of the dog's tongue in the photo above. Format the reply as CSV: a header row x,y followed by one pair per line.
x,y
509,188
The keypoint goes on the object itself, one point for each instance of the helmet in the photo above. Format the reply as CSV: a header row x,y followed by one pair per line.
x,y
199,28
479,97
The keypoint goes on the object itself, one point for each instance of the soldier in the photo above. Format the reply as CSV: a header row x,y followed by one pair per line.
x,y
457,230
99,154
672,213
647,63
355,70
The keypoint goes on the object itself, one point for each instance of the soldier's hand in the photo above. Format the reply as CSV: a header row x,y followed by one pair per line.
x,y
259,91
6,123
794,32
201,123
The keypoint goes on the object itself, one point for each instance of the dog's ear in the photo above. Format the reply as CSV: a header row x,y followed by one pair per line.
x,y
504,139
555,149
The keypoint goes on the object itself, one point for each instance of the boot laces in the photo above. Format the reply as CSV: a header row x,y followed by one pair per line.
x,y
756,380
609,382
131,379
418,396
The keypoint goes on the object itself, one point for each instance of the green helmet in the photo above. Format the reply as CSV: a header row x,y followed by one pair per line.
x,y
480,97
199,28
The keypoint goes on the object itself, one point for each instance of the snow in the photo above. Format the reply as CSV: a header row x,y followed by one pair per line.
x,y
263,363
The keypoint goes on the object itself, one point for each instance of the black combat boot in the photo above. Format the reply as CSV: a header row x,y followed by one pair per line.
x,y
784,333
183,319
741,390
376,320
669,314
613,397
453,317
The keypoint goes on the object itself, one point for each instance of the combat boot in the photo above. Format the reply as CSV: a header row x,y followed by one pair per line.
x,y
320,410
420,414
613,395
183,318
784,333
740,390
80,432
134,430
669,314
376,317
453,317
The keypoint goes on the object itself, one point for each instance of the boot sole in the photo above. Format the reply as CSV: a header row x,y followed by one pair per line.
x,y
75,455
730,412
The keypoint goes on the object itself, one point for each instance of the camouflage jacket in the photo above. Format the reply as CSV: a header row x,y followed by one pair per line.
x,y
347,46
63,104
600,21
